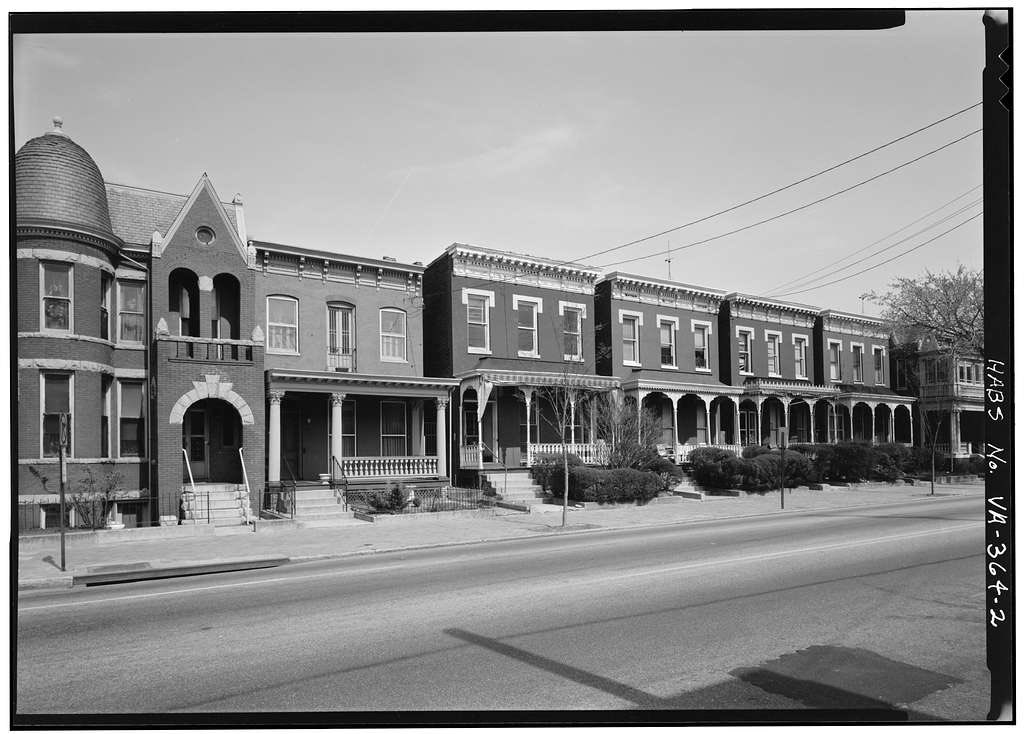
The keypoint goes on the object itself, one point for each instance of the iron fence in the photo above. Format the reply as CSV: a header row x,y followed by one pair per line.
x,y
410,499
277,500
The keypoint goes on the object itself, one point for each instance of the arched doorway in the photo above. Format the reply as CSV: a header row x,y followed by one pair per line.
x,y
863,422
800,422
659,406
723,421
882,423
211,434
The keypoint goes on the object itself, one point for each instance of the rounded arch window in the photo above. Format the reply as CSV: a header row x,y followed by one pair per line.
x,y
205,235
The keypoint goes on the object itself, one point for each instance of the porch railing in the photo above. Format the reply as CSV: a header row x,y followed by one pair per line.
x,y
471,457
588,453
964,448
358,467
683,450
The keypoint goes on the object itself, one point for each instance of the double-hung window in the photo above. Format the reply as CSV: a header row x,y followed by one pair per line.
x,y
392,335
667,333
878,355
392,428
106,283
478,324
744,337
57,289
282,325
57,389
526,325
572,330
131,429
835,367
106,383
701,355
131,311
340,338
631,323
858,362
773,340
800,356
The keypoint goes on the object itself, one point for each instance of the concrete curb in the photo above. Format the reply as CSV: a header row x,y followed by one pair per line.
x,y
67,581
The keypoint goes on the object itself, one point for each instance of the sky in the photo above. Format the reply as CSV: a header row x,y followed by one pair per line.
x,y
562,145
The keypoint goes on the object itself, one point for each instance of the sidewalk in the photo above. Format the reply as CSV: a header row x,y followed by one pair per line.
x,y
38,562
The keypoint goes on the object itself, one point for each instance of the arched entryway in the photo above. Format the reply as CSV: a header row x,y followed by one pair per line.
x,y
800,423
883,415
723,421
211,434
659,406
863,422
904,424
773,421
693,420
183,302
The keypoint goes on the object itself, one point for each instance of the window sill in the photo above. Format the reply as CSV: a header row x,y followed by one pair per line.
x,y
282,354
571,358
776,375
394,360
527,355
746,374
129,345
627,363
702,369
477,350
669,367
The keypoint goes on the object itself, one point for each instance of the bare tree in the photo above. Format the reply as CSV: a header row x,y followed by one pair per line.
x,y
948,307
631,435
564,398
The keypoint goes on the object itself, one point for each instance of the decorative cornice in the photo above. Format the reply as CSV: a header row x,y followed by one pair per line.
x,y
476,254
772,304
52,228
656,285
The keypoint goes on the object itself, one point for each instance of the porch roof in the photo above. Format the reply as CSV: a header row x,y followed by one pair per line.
x,y
362,384
794,388
527,378
868,394
680,383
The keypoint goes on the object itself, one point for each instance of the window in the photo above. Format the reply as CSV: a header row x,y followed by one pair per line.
x,y
743,339
282,325
631,340
858,362
901,374
106,383
929,372
572,331
800,355
131,310
701,357
205,235
57,287
835,367
478,332
57,398
105,286
130,426
879,358
774,341
526,325
392,335
667,331
340,338
392,428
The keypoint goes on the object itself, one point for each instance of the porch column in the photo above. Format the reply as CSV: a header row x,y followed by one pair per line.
x,y
572,418
954,432
528,398
640,395
274,439
785,417
675,424
707,418
850,411
757,433
736,422
892,423
336,400
910,420
442,436
874,436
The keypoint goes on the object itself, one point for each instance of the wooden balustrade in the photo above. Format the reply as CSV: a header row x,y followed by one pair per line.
x,y
358,467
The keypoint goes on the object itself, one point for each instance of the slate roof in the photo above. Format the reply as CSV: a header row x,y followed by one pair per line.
x,y
135,213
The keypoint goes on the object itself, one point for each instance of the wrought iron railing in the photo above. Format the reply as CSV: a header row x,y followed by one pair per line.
x,y
339,360
409,499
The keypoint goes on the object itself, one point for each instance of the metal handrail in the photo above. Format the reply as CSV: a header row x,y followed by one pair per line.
x,y
188,465
344,478
294,482
246,513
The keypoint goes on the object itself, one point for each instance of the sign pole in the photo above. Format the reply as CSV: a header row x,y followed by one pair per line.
x,y
63,482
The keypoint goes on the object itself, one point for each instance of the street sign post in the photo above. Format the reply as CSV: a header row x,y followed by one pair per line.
x,y
63,482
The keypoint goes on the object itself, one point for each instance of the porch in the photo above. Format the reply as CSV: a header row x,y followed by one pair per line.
x,y
355,429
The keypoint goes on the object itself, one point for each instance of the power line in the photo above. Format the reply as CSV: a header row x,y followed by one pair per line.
x,y
801,207
807,276
787,186
884,262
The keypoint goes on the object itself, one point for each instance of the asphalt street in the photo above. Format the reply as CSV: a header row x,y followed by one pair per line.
x,y
861,608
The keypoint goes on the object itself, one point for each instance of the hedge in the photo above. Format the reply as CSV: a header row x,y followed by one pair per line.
x,y
591,484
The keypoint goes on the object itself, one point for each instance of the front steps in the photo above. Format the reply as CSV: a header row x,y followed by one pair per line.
x,y
320,507
225,505
520,488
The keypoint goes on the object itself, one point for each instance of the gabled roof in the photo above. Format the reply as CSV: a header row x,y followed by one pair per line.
x,y
135,213
204,185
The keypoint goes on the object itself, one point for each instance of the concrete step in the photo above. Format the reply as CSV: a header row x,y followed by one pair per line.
x,y
318,493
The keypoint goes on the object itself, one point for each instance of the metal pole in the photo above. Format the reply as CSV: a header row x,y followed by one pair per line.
x,y
63,481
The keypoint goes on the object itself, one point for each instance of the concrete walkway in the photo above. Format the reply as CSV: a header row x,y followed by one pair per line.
x,y
38,558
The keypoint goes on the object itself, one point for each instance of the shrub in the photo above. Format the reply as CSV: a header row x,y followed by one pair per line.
x,y
393,499
749,452
902,457
851,461
975,464
807,449
547,470
708,454
590,484
667,471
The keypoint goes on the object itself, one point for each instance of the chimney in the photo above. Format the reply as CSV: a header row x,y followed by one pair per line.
x,y
240,218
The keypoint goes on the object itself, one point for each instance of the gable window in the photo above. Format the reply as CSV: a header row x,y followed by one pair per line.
x,y
392,428
105,287
667,332
744,337
478,326
57,289
572,330
282,325
57,395
392,335
131,311
878,355
701,356
800,355
341,347
774,342
526,325
630,338
858,362
130,427
835,367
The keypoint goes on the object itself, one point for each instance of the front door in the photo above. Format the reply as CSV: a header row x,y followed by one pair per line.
x,y
196,443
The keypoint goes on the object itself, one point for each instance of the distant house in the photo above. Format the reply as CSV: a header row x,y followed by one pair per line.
x,y
508,327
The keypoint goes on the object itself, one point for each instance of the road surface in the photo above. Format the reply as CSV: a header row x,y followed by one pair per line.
x,y
859,608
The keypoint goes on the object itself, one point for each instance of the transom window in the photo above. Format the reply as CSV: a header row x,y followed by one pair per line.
x,y
392,335
630,339
392,428
57,398
858,362
800,355
57,286
701,359
743,339
282,325
572,333
667,331
131,311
